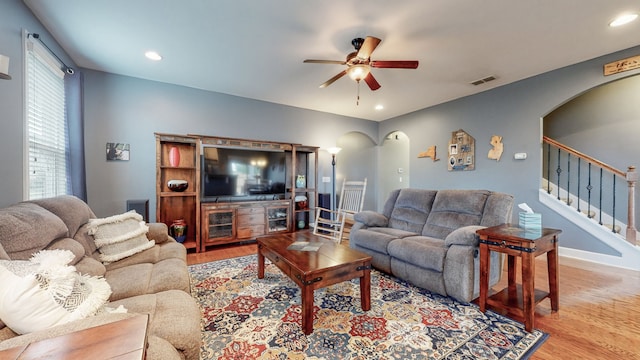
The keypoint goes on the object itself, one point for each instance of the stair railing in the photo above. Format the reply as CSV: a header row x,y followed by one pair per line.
x,y
603,180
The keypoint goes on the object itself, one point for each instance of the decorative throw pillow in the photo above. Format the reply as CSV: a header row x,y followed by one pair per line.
x,y
120,236
44,292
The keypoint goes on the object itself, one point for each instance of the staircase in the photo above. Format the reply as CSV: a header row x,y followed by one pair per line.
x,y
595,197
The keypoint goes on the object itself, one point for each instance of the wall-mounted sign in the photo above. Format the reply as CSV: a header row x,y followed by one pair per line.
x,y
622,65
462,149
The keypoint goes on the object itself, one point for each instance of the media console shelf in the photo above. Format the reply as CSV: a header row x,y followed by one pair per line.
x,y
224,223
305,164
177,158
244,210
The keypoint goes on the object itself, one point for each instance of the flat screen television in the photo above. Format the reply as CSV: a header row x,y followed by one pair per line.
x,y
238,173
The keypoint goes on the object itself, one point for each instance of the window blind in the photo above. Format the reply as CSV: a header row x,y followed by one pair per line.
x,y
46,129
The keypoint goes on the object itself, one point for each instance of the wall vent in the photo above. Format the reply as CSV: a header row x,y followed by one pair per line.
x,y
483,80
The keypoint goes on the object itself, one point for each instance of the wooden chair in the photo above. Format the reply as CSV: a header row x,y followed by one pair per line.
x,y
352,197
351,202
331,226
331,223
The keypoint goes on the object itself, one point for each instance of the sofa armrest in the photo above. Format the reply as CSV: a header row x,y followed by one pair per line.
x,y
465,235
371,218
158,232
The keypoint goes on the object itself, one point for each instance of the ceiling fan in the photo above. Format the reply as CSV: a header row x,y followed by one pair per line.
x,y
359,63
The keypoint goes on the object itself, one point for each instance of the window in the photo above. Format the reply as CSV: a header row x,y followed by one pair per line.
x,y
46,130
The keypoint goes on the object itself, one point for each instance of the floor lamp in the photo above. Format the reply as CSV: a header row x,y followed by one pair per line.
x,y
333,151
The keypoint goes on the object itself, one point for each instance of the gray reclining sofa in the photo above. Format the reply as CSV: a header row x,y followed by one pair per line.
x,y
428,237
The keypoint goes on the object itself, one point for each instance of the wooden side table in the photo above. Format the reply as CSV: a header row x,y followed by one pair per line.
x,y
517,242
124,340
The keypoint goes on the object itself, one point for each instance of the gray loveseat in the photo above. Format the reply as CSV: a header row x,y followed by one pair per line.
x,y
428,237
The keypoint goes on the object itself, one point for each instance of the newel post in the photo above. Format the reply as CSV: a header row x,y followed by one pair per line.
x,y
632,178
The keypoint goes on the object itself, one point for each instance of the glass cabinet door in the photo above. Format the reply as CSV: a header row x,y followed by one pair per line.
x,y
278,219
220,225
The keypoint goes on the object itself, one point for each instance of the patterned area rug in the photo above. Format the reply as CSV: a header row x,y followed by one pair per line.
x,y
249,318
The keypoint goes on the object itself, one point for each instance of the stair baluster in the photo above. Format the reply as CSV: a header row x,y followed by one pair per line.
x,y
631,177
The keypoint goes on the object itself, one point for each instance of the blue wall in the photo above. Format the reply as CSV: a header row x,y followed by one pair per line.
x,y
128,110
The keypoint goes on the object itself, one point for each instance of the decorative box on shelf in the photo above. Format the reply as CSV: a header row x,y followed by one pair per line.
x,y
530,221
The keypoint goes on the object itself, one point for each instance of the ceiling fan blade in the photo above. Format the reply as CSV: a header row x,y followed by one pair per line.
x,y
370,44
333,79
338,62
372,82
394,64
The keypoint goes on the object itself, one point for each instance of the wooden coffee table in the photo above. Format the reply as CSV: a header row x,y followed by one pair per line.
x,y
331,264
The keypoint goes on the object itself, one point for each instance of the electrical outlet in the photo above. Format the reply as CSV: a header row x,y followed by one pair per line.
x,y
520,156
326,179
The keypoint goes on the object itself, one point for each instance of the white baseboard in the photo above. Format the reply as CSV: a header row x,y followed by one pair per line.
x,y
597,258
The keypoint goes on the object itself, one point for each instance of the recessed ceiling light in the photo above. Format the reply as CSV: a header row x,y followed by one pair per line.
x,y
379,107
623,19
152,55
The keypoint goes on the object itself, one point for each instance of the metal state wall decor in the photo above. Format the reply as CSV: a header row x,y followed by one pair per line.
x,y
462,149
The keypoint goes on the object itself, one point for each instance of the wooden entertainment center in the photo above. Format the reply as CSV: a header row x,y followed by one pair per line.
x,y
215,220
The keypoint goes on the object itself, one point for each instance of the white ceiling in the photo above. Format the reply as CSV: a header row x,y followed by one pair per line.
x,y
255,49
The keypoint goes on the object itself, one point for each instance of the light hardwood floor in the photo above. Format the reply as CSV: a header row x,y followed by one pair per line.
x,y
599,315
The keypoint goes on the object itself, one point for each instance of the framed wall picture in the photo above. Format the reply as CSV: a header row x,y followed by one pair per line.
x,y
117,152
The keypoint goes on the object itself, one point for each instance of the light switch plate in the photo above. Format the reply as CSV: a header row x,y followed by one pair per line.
x,y
326,179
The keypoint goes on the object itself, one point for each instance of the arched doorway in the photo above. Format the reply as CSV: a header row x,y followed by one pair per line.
x,y
394,169
602,123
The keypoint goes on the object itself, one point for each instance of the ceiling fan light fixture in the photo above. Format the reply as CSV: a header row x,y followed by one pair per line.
x,y
358,72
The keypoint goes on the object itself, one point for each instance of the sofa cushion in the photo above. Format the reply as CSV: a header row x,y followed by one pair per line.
x,y
45,292
453,209
168,250
120,236
411,209
173,315
82,236
159,348
70,245
377,239
147,278
90,266
419,276
498,209
390,203
27,228
422,251
73,211
159,232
